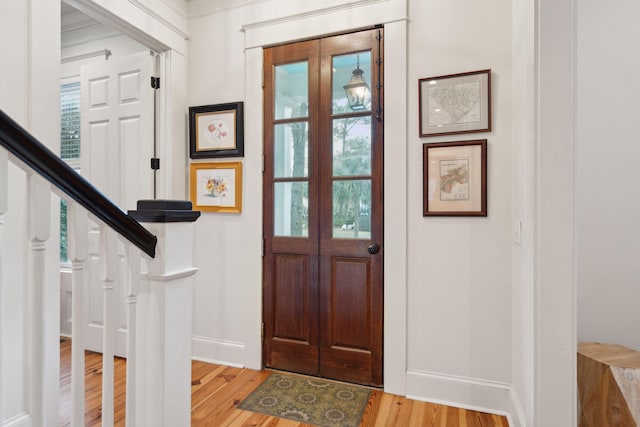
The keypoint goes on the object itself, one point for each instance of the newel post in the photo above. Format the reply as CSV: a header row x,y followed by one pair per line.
x,y
164,324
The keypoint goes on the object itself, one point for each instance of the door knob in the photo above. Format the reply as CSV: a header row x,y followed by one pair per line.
x,y
373,248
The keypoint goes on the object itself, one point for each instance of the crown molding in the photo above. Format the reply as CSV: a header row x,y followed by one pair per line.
x,y
310,14
200,8
178,6
155,15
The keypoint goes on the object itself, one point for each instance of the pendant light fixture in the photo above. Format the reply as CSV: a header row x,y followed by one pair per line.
x,y
357,90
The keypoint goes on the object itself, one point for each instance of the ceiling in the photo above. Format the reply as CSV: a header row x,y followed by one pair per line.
x,y
65,8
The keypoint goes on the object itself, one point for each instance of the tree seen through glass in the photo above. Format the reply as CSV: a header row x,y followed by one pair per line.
x,y
351,157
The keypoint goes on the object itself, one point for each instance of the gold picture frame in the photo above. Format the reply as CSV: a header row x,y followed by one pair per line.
x,y
216,187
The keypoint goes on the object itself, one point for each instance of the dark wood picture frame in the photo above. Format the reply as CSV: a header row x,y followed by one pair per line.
x,y
455,103
455,178
216,131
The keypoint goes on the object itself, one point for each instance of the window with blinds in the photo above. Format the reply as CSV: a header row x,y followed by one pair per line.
x,y
70,121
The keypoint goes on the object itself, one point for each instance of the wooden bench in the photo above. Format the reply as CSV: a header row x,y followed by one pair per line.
x,y
608,385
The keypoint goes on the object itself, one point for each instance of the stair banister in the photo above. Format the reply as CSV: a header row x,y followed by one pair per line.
x,y
22,146
159,342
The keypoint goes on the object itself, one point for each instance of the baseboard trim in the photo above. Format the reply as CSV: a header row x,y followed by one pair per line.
x,y
468,393
21,420
221,352
516,411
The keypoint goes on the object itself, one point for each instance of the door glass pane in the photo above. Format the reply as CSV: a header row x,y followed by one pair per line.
x,y
354,72
352,146
352,209
292,90
291,209
291,150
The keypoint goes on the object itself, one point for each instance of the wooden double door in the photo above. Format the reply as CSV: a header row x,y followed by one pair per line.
x,y
323,207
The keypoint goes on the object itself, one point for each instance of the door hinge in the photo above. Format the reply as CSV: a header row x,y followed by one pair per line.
x,y
264,249
262,331
263,163
155,82
155,163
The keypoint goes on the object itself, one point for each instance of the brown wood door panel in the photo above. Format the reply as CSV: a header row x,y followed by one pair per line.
x,y
348,365
291,340
349,313
291,298
351,320
323,295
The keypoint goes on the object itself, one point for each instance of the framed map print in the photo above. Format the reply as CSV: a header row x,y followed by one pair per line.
x,y
456,103
216,187
455,178
216,131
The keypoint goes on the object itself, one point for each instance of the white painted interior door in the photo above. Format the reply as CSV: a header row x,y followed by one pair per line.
x,y
117,144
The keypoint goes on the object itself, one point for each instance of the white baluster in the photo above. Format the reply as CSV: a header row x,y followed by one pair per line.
x,y
4,188
109,255
77,228
132,290
39,206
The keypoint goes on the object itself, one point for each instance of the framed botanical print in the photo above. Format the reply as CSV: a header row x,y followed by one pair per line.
x,y
216,131
216,187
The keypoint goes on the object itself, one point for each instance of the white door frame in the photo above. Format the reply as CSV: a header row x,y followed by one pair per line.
x,y
169,42
395,204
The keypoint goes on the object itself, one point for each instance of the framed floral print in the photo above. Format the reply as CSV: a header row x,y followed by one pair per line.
x,y
216,187
216,131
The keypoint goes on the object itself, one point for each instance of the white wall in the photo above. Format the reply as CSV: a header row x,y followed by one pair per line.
x,y
228,246
459,320
459,313
607,204
29,92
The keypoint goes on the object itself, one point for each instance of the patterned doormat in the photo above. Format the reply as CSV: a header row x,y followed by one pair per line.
x,y
310,400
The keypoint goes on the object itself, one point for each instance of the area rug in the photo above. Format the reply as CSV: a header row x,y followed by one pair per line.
x,y
310,400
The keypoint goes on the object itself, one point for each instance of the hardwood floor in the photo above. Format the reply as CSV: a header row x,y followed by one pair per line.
x,y
216,391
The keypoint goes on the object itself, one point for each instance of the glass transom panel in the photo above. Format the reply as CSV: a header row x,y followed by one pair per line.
x,y
291,90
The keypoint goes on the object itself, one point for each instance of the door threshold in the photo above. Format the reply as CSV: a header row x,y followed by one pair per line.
x,y
275,370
